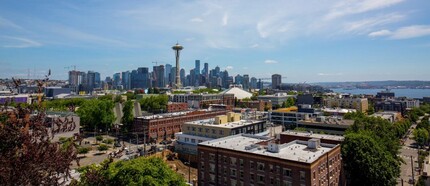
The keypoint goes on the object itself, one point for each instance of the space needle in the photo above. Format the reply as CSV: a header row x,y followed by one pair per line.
x,y
177,48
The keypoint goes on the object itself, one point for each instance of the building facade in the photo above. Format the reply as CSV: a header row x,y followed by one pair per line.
x,y
276,81
161,127
360,104
255,160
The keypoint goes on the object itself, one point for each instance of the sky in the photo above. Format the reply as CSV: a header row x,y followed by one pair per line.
x,y
304,41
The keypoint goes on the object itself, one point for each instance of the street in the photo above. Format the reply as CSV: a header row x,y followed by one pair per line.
x,y
407,151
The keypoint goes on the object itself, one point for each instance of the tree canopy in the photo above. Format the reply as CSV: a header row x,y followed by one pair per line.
x,y
64,104
155,104
370,151
127,118
421,136
149,171
367,162
96,113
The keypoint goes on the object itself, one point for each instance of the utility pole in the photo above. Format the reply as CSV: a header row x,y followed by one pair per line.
x,y
413,176
189,169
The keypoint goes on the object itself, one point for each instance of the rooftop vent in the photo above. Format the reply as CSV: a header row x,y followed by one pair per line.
x,y
314,143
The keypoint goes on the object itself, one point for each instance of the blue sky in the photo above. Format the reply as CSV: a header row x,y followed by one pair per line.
x,y
312,41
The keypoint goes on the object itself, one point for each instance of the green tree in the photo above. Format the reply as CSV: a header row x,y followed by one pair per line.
x,y
150,171
83,150
102,147
96,113
99,138
421,136
127,118
366,162
157,103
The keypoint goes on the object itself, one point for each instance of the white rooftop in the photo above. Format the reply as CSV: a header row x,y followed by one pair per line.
x,y
294,151
313,135
235,124
238,93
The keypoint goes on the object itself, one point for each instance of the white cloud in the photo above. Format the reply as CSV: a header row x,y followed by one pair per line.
x,y
380,33
19,42
404,32
349,7
7,23
225,19
254,45
329,74
269,61
229,67
411,32
196,20
369,23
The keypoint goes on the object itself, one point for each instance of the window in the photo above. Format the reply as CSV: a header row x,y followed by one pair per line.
x,y
193,128
287,172
252,177
200,141
271,168
260,178
302,176
193,140
314,175
200,129
288,183
213,131
202,165
207,130
260,166
188,128
233,172
187,139
221,132
251,164
241,174
241,162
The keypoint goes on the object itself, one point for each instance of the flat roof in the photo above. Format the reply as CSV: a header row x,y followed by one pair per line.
x,y
173,114
313,135
211,122
296,150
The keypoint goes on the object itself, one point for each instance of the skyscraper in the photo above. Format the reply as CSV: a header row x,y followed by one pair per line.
x,y
238,79
75,79
276,81
158,75
126,81
197,73
253,83
168,71
182,75
116,80
245,82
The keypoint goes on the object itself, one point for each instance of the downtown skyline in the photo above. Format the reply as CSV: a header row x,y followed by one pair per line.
x,y
328,41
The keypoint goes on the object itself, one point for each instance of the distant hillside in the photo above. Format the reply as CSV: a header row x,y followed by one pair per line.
x,y
376,84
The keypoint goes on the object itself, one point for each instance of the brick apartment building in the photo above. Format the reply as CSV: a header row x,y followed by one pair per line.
x,y
161,127
360,104
257,160
203,100
176,107
259,105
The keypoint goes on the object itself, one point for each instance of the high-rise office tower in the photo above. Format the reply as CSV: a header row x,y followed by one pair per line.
x,y
116,80
182,75
238,79
126,81
276,81
245,82
158,75
253,83
168,71
75,79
